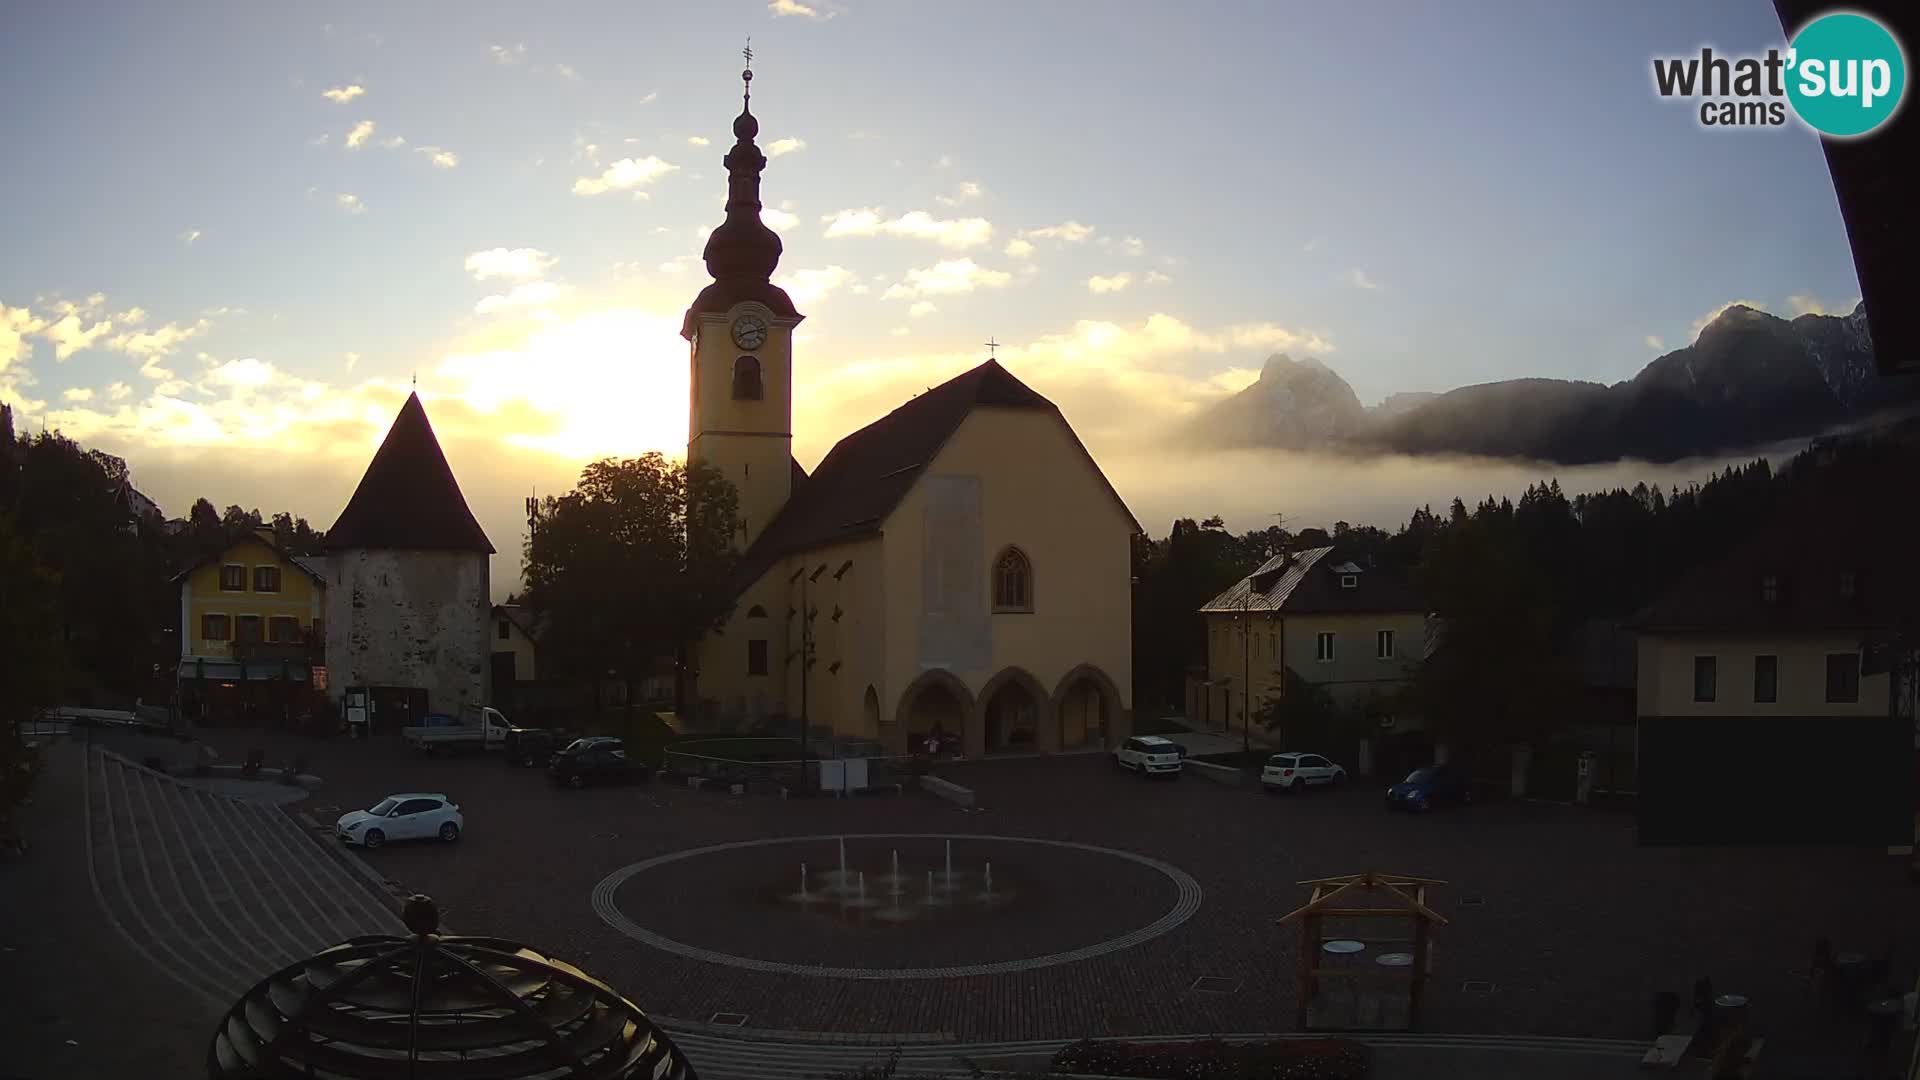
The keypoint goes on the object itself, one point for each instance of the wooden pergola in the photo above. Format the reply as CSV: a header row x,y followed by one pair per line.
x,y
1375,900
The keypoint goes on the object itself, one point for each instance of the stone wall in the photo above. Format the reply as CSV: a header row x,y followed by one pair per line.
x,y
410,619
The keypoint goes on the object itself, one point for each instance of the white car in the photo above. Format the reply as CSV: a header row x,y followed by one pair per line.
x,y
1150,755
1296,772
411,816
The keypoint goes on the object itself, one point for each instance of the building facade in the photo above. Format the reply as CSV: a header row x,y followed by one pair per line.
x,y
959,566
1355,631
408,626
252,629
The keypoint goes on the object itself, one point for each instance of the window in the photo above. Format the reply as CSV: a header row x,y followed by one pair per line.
x,y
247,629
1848,584
1012,581
266,579
757,656
1383,644
419,806
215,628
233,578
1766,679
746,379
1323,647
1843,677
756,612
502,632
1769,588
1706,677
319,630
1349,581
283,629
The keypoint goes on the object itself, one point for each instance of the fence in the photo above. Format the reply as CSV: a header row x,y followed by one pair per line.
x,y
782,773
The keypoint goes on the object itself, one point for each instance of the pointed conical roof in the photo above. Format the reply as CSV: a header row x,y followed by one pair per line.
x,y
408,500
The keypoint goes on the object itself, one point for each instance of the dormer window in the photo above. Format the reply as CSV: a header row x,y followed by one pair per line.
x,y
746,379
1770,588
1848,584
1349,581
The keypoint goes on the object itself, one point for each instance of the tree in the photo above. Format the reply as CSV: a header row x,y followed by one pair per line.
x,y
29,605
634,564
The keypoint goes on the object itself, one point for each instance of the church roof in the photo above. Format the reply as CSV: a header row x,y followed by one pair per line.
x,y
408,500
864,477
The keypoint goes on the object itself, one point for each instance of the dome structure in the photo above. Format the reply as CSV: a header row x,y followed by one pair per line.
x,y
443,1007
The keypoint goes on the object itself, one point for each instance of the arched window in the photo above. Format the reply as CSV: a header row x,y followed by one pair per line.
x,y
756,612
746,379
1012,581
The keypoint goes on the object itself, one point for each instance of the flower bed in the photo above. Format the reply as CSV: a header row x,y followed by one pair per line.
x,y
1277,1059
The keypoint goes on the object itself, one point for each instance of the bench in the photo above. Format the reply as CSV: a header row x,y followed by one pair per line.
x,y
948,790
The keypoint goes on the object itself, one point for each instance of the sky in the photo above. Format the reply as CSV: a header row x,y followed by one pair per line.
x,y
237,235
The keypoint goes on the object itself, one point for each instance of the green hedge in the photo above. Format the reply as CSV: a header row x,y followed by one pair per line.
x,y
1277,1059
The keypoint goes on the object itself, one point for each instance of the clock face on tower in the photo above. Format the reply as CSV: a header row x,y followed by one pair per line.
x,y
749,331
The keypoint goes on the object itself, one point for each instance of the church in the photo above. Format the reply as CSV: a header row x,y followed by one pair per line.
x,y
959,566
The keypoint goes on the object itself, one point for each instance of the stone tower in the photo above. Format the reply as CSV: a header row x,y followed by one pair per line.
x,y
407,592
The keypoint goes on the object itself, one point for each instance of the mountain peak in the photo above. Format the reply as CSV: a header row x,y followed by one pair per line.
x,y
1280,366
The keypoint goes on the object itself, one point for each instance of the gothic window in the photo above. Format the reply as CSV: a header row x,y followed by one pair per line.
x,y
1012,581
746,379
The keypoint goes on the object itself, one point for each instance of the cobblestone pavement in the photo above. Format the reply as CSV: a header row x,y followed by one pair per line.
x,y
1563,925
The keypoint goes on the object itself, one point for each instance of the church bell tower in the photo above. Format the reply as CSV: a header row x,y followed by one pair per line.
x,y
740,328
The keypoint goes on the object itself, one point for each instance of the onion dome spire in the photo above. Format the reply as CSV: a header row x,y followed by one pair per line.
x,y
743,246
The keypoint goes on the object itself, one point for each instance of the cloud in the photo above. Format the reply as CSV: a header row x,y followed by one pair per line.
x,y
1071,232
158,343
922,307
699,140
1358,278
785,146
16,325
1155,277
899,331
350,203
77,393
624,175
361,132
343,94
189,237
1018,248
566,71
394,142
507,55
248,371
119,391
353,360
947,278
958,233
966,192
1110,284
1654,343
527,294
812,286
777,219
650,97
1126,245
796,9
441,158
519,264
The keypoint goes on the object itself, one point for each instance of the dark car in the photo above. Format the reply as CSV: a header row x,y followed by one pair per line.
x,y
599,760
527,747
1424,788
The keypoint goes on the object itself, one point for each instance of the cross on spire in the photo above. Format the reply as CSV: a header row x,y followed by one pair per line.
x,y
991,345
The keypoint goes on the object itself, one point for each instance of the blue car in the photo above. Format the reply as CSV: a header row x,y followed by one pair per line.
x,y
1426,787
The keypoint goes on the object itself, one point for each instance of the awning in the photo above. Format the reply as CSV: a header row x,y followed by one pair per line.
x,y
230,671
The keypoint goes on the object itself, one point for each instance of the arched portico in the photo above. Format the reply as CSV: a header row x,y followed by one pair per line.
x,y
1011,707
936,700
1086,710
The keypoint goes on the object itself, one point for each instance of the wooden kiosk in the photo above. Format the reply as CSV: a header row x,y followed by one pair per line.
x,y
1366,951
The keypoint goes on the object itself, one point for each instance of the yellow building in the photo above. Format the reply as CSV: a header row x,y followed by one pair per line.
x,y
960,565
249,614
1356,631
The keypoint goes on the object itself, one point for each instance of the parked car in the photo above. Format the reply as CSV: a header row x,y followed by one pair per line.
x,y
527,747
596,760
476,726
1429,786
1294,772
408,816
1150,755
